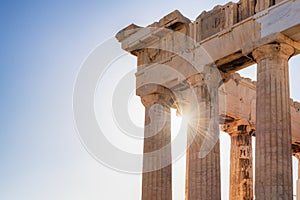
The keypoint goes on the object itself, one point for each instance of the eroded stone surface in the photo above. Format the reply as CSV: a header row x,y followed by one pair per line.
x,y
241,172
230,37
203,146
157,161
273,161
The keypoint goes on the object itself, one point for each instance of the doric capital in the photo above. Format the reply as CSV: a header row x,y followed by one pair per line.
x,y
156,98
273,50
237,127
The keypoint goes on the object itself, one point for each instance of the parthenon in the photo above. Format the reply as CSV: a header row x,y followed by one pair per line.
x,y
192,66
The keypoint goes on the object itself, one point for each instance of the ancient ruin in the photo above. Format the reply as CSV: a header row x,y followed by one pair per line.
x,y
191,66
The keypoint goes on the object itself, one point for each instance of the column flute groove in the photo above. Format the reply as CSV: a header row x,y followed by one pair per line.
x,y
202,173
241,171
273,123
157,161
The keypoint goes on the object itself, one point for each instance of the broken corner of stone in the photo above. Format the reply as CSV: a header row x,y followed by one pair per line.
x,y
127,31
172,19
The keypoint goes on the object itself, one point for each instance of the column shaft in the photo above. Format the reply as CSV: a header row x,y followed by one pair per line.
x,y
157,162
273,160
203,173
241,173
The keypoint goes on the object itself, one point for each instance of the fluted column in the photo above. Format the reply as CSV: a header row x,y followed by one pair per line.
x,y
157,162
273,160
241,172
203,152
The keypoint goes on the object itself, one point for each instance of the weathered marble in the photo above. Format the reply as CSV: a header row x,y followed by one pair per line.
x,y
203,146
273,161
241,168
230,37
157,164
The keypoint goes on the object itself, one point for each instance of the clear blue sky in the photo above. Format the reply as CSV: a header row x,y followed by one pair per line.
x,y
43,44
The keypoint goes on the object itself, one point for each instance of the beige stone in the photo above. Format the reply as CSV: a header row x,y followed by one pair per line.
x,y
203,147
241,173
173,55
273,163
157,167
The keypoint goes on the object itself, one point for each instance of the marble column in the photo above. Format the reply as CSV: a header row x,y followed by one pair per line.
x,y
273,160
203,152
241,172
157,161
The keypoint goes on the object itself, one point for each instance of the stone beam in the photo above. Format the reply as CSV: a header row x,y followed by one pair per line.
x,y
237,24
239,95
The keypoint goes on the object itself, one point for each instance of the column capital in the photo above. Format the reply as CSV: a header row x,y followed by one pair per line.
x,y
269,51
237,126
158,98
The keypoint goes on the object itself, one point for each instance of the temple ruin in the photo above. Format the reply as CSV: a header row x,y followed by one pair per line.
x,y
191,66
